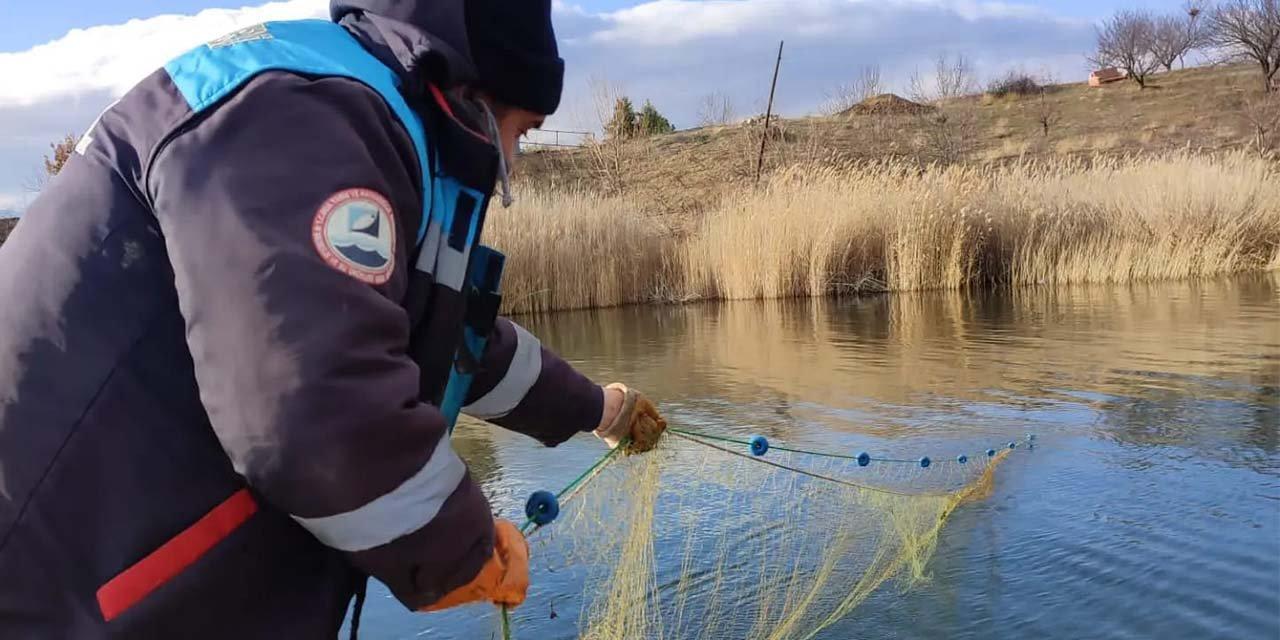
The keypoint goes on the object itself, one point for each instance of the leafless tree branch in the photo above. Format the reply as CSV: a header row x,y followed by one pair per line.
x,y
844,96
1172,37
946,133
1249,30
1125,41
715,109
1261,112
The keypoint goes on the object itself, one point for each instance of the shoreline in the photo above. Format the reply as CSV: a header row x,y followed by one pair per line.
x,y
816,231
968,294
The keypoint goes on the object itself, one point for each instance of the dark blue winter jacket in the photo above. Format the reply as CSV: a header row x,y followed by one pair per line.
x,y
225,329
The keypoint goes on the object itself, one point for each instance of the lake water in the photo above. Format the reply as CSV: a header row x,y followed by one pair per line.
x,y
1149,509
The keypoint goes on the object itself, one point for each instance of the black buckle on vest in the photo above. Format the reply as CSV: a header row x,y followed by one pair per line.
x,y
482,311
483,303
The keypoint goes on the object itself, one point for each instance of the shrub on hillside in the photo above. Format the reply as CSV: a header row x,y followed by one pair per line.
x,y
651,122
1014,83
628,123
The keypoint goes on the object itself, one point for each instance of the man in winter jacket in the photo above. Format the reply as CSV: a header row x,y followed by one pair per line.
x,y
236,329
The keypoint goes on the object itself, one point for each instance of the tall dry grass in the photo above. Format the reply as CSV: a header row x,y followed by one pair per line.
x,y
571,250
821,230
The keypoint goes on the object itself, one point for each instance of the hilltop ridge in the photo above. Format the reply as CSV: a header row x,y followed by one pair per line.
x,y
681,174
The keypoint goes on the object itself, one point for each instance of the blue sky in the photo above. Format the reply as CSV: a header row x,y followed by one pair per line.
x,y
55,81
26,24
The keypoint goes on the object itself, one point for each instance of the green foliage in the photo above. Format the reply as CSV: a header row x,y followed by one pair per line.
x,y
652,122
626,123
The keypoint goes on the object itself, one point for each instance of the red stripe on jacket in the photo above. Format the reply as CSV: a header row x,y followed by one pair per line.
x,y
135,583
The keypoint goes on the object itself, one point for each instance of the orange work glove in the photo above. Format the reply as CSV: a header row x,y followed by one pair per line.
x,y
504,578
638,421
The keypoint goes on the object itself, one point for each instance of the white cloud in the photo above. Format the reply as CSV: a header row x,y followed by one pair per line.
x,y
676,51
115,57
669,51
13,201
666,22
60,87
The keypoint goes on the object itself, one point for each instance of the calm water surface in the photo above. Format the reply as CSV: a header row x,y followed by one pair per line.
x,y
1150,508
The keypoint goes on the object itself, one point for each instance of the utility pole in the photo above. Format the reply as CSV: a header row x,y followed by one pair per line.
x,y
768,113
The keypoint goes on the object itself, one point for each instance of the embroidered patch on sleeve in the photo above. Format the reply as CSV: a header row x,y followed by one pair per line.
x,y
355,232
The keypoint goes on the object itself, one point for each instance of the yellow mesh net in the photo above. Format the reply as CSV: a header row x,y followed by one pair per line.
x,y
701,539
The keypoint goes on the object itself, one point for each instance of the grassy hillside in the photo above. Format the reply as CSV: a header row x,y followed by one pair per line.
x,y
688,172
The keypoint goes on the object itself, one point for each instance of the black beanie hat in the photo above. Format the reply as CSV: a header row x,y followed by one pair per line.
x,y
514,47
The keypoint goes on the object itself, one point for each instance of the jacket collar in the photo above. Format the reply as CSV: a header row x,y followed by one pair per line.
x,y
429,67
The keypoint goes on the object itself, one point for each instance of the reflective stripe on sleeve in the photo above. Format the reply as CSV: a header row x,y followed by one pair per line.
x,y
526,365
405,509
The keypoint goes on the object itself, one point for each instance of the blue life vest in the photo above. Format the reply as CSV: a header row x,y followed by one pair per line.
x,y
452,213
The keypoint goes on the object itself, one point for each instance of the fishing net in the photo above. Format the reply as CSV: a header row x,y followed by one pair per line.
x,y
715,537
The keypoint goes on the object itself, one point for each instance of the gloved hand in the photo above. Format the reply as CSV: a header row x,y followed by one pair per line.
x,y
636,421
504,578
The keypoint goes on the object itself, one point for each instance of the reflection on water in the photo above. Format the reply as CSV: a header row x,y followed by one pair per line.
x,y
1151,508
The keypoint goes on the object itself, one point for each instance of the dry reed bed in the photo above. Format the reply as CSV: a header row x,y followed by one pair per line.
x,y
820,231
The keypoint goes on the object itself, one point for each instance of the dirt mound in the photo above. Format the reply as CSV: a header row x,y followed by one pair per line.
x,y
886,104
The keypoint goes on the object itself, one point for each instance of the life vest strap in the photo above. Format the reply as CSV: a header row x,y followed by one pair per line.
x,y
484,298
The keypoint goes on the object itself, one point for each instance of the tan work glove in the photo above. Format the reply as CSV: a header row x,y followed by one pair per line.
x,y
504,578
637,421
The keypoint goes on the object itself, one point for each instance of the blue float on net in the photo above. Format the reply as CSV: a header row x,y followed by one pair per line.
x,y
1031,437
759,445
925,462
962,458
864,459
991,453
1013,445
542,508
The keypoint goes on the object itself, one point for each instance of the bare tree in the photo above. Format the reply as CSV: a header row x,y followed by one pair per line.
x,y
1261,112
1196,12
946,132
839,99
952,78
606,154
1249,30
715,109
1172,37
1125,41
844,96
868,83
604,98
1047,111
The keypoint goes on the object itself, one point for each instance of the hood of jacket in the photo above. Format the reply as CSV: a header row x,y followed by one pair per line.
x,y
425,40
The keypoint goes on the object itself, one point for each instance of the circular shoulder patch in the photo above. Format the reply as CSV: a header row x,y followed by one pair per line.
x,y
355,233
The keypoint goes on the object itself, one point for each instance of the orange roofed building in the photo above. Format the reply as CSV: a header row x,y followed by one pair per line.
x,y
1105,76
